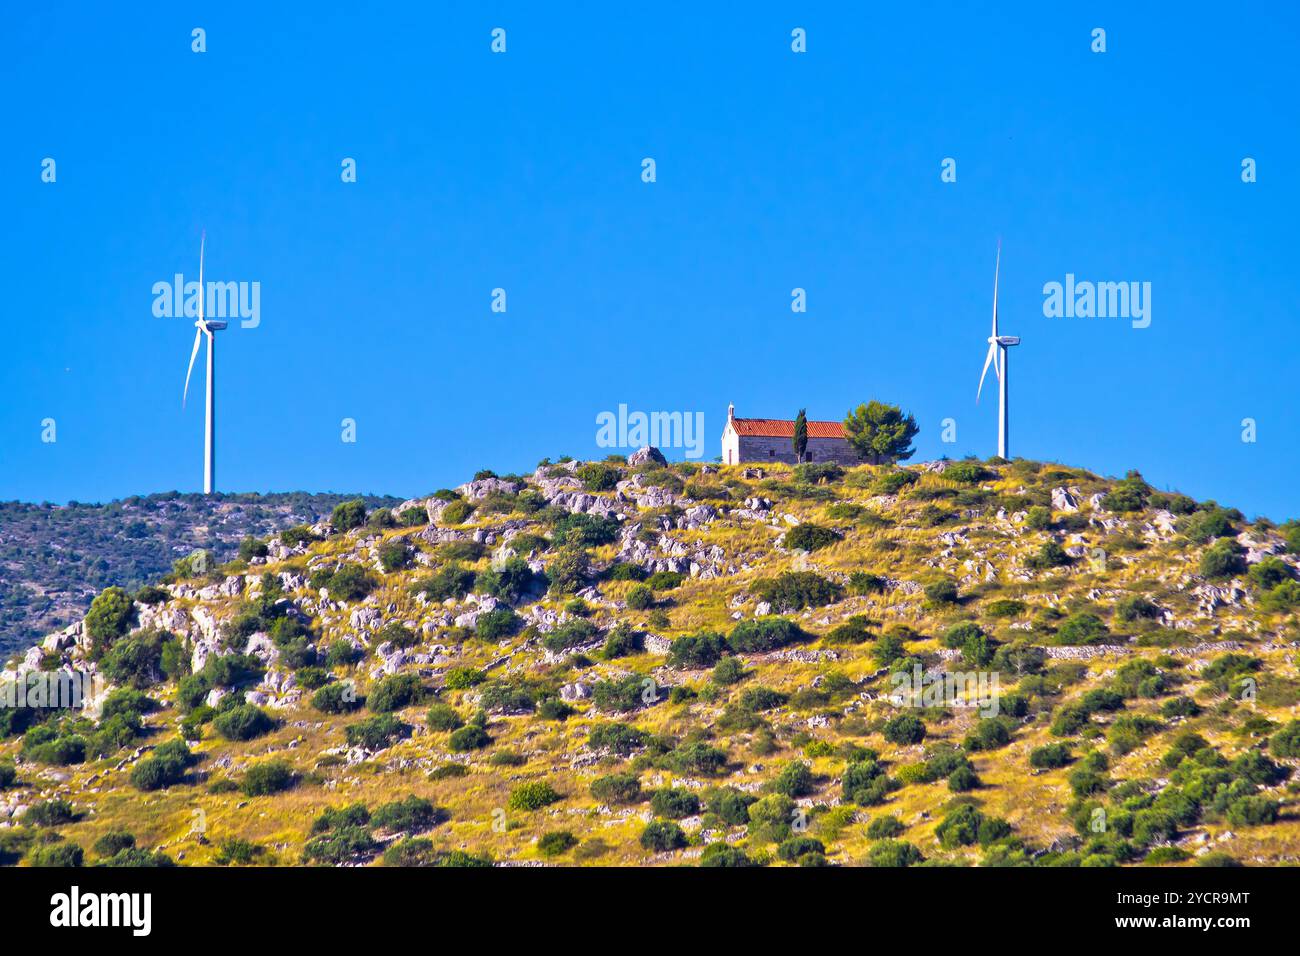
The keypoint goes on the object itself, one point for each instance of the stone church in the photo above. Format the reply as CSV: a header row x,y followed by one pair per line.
x,y
771,439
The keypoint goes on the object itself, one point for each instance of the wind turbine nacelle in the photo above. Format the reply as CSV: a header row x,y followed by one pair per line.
x,y
218,326
1008,340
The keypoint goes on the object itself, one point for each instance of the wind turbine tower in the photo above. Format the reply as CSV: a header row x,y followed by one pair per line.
x,y
997,355
208,328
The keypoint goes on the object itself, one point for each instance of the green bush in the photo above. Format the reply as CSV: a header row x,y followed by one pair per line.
x,y
109,618
884,828
409,815
763,634
661,836
243,722
696,650
376,733
1222,560
904,729
941,592
794,780
443,717
1050,756
456,512
50,813
394,693
674,803
640,597
395,554
532,796
617,788
337,698
893,853
796,590
348,515
556,842
810,537
598,476
267,777
1082,628
497,623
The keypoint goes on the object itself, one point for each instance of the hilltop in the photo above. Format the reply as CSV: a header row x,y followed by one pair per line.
x,y
612,663
55,558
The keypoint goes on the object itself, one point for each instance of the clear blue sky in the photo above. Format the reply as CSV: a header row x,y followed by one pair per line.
x,y
522,171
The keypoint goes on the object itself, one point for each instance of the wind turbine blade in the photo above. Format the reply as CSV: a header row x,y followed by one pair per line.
x,y
993,347
198,338
996,267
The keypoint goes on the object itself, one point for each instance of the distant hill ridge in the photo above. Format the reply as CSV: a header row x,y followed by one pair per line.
x,y
55,558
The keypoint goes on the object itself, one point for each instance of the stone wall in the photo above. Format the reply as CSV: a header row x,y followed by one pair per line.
x,y
755,448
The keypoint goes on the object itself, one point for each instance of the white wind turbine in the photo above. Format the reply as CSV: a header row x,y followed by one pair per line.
x,y
998,345
205,328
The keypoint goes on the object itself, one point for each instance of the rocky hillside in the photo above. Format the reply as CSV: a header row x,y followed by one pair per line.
x,y
634,663
55,558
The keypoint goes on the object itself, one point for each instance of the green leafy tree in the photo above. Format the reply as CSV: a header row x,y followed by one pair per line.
x,y
800,440
881,433
108,619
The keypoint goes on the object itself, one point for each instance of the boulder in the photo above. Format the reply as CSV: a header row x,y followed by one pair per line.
x,y
646,453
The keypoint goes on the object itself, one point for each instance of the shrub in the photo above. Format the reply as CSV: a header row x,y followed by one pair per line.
x,y
904,729
864,783
467,738
620,695
725,855
112,843
665,580
443,717
1222,560
661,836
338,698
395,554
1050,555
341,845
532,796
1252,811
809,537
796,590
408,815
243,722
376,733
1135,607
617,788
862,583
163,768
797,846
347,582
449,581
268,777
621,739
794,780
1050,756
394,693
498,623
456,512
578,530
62,854
463,678
763,634
348,515
556,842
1038,518
728,671
674,803
50,813
640,597
697,758
1284,743
941,592
1083,627
893,853
598,476
696,650
109,618
884,828
8,775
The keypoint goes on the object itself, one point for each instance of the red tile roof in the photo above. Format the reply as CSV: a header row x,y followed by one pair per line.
x,y
776,428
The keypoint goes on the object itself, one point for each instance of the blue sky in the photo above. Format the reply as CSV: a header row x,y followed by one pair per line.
x,y
522,171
